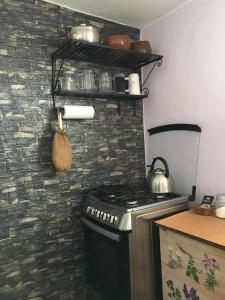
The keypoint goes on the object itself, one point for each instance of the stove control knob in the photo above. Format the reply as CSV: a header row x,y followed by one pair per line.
x,y
104,216
101,214
98,213
111,220
92,211
108,217
88,209
115,219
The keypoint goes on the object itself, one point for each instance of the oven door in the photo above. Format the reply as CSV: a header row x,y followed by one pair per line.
x,y
107,262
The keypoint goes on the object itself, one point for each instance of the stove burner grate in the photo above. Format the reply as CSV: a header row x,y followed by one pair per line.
x,y
131,202
129,196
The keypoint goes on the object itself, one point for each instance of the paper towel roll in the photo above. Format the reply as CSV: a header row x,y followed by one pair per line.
x,y
78,112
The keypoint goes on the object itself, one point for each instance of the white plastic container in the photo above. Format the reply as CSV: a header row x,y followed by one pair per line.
x,y
220,206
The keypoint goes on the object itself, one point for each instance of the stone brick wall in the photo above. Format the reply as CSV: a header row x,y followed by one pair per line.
x,y
41,248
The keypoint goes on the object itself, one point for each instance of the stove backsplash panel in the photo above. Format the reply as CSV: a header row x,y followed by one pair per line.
x,y
41,236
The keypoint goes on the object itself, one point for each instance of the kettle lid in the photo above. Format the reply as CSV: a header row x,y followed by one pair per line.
x,y
159,171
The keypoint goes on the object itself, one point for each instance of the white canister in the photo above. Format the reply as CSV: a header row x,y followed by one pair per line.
x,y
133,84
220,206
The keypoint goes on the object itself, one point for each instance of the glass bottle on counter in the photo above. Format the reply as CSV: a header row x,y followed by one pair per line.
x,y
220,206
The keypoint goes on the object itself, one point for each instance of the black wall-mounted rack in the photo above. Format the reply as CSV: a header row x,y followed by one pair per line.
x,y
98,95
102,55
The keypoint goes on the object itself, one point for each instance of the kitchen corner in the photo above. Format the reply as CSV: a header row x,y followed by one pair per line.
x,y
111,132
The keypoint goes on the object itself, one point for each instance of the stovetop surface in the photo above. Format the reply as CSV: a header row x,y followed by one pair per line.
x,y
129,196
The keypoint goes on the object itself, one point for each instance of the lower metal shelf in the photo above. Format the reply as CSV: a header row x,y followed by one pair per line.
x,y
116,96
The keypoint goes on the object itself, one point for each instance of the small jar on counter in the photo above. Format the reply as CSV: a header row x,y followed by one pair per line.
x,y
220,205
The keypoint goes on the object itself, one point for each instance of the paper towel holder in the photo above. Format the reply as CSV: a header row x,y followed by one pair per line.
x,y
60,109
63,112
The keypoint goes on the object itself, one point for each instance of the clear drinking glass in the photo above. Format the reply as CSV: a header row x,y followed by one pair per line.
x,y
105,82
79,80
88,80
67,81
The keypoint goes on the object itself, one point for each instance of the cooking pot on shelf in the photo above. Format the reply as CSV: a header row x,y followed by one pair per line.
x,y
141,46
85,32
121,41
159,181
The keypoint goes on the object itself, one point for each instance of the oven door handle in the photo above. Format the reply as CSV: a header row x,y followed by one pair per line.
x,y
102,231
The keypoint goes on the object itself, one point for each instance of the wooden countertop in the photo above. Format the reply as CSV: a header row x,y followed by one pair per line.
x,y
208,228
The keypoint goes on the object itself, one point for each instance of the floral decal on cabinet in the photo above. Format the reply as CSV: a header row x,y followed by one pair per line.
x,y
173,293
175,259
190,294
191,270
210,265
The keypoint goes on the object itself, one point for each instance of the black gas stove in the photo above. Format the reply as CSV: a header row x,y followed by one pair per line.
x,y
110,212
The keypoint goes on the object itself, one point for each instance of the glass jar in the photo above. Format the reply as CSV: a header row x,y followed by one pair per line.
x,y
220,205
105,82
67,81
79,80
90,80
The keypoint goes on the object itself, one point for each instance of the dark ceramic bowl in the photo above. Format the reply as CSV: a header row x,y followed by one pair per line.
x,y
141,46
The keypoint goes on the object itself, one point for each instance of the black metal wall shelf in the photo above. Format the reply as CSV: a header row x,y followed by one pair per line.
x,y
101,55
98,95
104,55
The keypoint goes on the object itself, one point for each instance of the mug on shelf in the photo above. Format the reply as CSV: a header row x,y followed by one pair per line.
x,y
127,84
133,84
120,83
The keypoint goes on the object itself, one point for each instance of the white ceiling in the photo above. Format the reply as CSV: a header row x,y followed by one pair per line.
x,y
135,13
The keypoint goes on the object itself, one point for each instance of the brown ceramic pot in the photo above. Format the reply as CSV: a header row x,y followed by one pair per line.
x,y
118,41
141,46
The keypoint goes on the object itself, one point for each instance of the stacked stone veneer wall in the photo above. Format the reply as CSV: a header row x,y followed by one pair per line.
x,y
41,248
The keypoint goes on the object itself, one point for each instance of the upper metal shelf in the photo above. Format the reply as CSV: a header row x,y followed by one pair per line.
x,y
104,55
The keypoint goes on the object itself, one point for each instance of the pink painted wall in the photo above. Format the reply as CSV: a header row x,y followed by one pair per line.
x,y
190,84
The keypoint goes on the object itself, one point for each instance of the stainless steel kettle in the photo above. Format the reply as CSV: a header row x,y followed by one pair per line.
x,y
159,181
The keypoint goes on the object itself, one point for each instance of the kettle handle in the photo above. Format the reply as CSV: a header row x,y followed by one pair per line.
x,y
164,163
